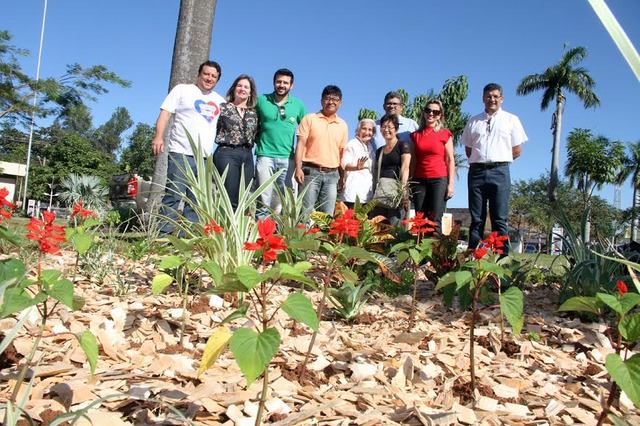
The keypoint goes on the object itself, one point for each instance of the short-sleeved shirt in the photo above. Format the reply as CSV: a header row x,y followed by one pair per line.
x,y
392,162
491,138
234,129
278,127
430,153
195,110
326,138
406,126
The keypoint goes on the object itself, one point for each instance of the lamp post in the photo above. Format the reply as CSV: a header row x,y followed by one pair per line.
x,y
33,113
51,194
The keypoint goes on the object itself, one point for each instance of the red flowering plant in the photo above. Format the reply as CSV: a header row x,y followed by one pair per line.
x,y
618,310
82,234
469,282
254,346
47,291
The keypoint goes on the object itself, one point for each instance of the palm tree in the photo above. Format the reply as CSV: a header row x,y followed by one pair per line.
x,y
565,76
632,168
191,48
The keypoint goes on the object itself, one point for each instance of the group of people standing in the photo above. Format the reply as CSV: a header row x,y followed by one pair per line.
x,y
314,150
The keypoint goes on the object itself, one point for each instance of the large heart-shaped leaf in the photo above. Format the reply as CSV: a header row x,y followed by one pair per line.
x,y
253,351
512,305
626,374
300,308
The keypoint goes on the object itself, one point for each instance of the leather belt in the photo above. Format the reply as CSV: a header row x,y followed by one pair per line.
x,y
486,166
321,168
249,146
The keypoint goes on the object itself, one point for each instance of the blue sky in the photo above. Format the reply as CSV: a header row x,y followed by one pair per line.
x,y
365,47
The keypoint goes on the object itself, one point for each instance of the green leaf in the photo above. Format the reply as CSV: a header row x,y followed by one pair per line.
x,y
488,266
626,374
402,257
253,351
348,274
214,270
11,270
62,290
512,305
160,282
15,300
78,302
7,235
300,308
463,278
621,305
170,262
50,276
581,304
90,221
241,312
352,252
230,285
216,343
446,279
295,273
415,256
180,245
82,242
249,276
629,327
89,345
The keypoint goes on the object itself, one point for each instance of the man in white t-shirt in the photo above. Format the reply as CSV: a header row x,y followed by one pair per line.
x,y
492,140
196,108
393,104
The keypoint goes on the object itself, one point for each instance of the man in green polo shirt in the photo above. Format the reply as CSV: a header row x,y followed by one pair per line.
x,y
279,114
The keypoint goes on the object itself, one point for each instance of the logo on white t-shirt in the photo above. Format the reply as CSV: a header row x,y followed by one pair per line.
x,y
209,110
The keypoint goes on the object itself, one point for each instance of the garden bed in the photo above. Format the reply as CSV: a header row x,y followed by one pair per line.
x,y
366,372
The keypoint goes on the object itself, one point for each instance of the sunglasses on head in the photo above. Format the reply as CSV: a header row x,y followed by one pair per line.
x,y
283,113
432,111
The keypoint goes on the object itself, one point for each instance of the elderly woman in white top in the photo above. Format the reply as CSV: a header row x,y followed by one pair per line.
x,y
357,161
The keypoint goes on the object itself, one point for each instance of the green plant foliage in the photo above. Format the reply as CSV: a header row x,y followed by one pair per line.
x,y
89,345
299,307
254,350
626,374
512,305
349,298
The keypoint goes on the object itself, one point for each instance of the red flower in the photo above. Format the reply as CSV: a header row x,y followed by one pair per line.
x,y
345,224
622,287
494,242
212,226
78,209
420,224
267,242
480,252
4,192
46,233
311,230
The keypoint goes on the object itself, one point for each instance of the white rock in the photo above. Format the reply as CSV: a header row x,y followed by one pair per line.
x,y
216,301
277,406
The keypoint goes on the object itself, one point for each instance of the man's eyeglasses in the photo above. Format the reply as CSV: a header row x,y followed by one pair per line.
x,y
389,104
331,99
435,112
283,113
388,128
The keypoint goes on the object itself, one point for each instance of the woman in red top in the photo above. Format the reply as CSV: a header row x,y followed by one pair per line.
x,y
435,169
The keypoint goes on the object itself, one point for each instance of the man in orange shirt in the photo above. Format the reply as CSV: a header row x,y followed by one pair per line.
x,y
321,138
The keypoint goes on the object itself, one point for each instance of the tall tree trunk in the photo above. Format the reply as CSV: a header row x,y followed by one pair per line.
x,y
555,154
191,48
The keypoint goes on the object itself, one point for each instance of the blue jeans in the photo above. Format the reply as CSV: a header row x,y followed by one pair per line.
x,y
265,168
322,189
239,161
429,197
176,189
492,185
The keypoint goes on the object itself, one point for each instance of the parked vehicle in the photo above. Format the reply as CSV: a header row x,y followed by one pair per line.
x,y
530,248
129,191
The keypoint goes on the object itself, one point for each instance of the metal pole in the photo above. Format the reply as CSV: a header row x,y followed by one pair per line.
x,y
33,113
